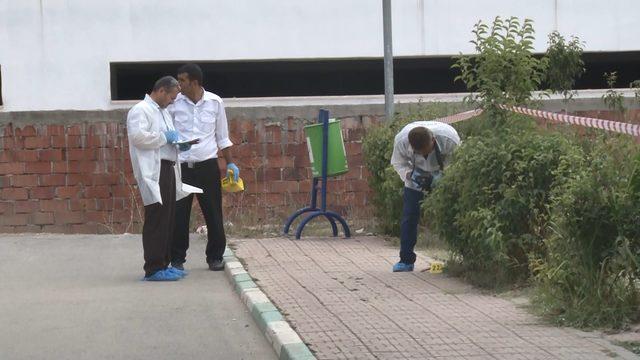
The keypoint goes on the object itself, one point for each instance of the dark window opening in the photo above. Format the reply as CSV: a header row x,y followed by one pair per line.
x,y
131,80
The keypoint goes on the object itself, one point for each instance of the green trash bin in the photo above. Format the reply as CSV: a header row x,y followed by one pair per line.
x,y
336,154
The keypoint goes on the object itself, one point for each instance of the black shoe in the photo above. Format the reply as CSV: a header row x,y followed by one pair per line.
x,y
216,265
179,266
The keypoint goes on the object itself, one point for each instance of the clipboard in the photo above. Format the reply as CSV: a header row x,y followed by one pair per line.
x,y
193,141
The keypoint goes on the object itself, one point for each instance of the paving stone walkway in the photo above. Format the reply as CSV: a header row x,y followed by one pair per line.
x,y
344,301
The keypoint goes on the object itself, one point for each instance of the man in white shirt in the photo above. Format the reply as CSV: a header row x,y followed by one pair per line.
x,y
200,114
152,139
421,151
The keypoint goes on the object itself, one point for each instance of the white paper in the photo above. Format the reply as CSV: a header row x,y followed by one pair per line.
x,y
191,189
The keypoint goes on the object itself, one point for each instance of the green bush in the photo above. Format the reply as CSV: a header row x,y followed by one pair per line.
x,y
491,205
377,148
589,275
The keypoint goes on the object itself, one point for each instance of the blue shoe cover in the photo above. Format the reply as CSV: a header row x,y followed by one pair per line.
x,y
402,267
181,273
162,275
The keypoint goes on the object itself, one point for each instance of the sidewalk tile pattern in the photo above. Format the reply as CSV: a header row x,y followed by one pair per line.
x,y
343,300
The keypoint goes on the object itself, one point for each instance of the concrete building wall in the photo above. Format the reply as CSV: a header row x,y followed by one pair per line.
x,y
55,54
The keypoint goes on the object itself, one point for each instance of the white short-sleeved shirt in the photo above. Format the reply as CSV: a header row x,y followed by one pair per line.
x,y
205,120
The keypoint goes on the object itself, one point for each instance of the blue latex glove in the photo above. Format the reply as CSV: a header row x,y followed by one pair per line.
x,y
236,171
184,146
172,136
437,175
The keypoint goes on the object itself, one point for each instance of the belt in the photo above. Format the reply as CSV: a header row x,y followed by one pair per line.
x,y
168,162
192,164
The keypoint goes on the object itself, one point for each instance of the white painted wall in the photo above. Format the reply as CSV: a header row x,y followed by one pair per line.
x,y
55,54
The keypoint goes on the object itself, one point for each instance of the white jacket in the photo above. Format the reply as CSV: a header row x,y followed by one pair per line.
x,y
146,123
404,160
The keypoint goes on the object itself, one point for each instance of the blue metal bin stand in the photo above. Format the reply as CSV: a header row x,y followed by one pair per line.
x,y
314,211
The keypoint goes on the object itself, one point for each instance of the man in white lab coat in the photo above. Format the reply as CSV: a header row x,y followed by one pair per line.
x,y
154,153
421,151
200,114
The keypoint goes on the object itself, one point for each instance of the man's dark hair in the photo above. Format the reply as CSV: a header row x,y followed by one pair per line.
x,y
420,137
165,82
193,71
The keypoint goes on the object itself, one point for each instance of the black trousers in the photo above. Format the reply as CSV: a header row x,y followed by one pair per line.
x,y
159,223
205,175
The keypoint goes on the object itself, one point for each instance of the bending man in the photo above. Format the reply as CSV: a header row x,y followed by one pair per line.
x,y
421,151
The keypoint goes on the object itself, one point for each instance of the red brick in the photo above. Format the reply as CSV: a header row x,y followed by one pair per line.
x,y
12,168
50,155
15,194
52,180
79,179
8,229
99,192
85,229
55,130
28,130
122,191
358,185
69,141
353,148
120,216
96,141
42,218
69,217
56,229
106,179
80,154
41,192
53,205
24,180
7,156
28,206
26,155
283,186
82,204
98,128
40,167
33,229
294,174
60,167
83,167
58,142
75,130
66,192
267,174
6,207
97,216
37,142
274,199
17,219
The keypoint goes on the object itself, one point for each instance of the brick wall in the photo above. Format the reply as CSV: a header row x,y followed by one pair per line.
x,y
71,173
77,177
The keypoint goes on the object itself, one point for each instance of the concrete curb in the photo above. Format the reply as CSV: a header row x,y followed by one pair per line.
x,y
283,338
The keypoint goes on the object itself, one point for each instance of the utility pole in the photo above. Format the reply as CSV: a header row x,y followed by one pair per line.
x,y
388,60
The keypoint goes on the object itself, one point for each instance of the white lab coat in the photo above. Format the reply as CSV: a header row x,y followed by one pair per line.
x,y
404,160
145,128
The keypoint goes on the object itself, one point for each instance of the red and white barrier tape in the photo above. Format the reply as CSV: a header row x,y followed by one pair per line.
x,y
624,128
620,127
